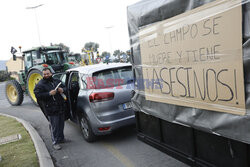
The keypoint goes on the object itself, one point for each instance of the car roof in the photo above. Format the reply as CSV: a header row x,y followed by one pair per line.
x,y
98,67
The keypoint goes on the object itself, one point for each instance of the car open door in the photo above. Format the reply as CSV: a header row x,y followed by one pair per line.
x,y
63,77
73,88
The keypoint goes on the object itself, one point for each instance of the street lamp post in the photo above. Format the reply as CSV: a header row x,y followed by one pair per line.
x,y
109,36
37,25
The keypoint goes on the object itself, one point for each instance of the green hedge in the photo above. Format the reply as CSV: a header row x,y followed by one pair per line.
x,y
4,76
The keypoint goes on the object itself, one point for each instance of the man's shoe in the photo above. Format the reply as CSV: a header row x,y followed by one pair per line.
x,y
57,147
65,141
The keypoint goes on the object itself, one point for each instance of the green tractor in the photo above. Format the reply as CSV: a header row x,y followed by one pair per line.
x,y
35,60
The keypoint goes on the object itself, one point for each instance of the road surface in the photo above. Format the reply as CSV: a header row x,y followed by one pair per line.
x,y
121,149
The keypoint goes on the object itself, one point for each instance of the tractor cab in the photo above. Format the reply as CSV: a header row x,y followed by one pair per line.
x,y
53,57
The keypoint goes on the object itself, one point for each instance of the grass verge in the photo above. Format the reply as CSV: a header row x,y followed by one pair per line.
x,y
18,153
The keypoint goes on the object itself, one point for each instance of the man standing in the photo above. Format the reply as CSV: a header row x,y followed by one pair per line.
x,y
52,104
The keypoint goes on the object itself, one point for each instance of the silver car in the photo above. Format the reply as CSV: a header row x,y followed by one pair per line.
x,y
99,97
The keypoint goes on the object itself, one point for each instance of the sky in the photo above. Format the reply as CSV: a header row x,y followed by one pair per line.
x,y
72,22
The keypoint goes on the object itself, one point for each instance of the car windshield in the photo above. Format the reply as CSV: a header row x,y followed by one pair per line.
x,y
113,77
54,58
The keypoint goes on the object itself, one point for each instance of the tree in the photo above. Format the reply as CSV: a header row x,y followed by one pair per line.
x,y
118,53
90,45
104,54
63,46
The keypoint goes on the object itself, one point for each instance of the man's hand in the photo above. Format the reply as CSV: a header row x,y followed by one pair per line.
x,y
60,90
52,92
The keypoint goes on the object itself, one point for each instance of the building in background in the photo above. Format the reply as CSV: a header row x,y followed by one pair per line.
x,y
15,66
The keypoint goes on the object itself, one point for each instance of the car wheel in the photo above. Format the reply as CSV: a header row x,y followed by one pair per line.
x,y
86,130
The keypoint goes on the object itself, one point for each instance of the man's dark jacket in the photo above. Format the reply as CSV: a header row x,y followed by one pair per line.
x,y
50,105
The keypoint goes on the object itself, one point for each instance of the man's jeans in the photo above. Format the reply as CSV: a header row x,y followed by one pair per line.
x,y
56,128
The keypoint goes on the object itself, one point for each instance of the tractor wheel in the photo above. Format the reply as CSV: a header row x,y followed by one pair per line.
x,y
14,92
33,78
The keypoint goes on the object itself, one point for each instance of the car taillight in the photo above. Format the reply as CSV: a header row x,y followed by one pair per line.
x,y
101,96
104,128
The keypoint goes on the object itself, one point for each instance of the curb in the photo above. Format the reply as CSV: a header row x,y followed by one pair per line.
x,y
41,150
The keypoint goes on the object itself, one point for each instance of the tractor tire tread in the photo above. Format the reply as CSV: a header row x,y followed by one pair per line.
x,y
20,94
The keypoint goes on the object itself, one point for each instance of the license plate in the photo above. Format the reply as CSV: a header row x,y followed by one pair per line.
x,y
127,105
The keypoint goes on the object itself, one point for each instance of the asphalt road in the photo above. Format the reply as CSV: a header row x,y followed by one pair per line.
x,y
121,149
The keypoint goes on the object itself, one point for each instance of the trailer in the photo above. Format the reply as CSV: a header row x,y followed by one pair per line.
x,y
192,86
